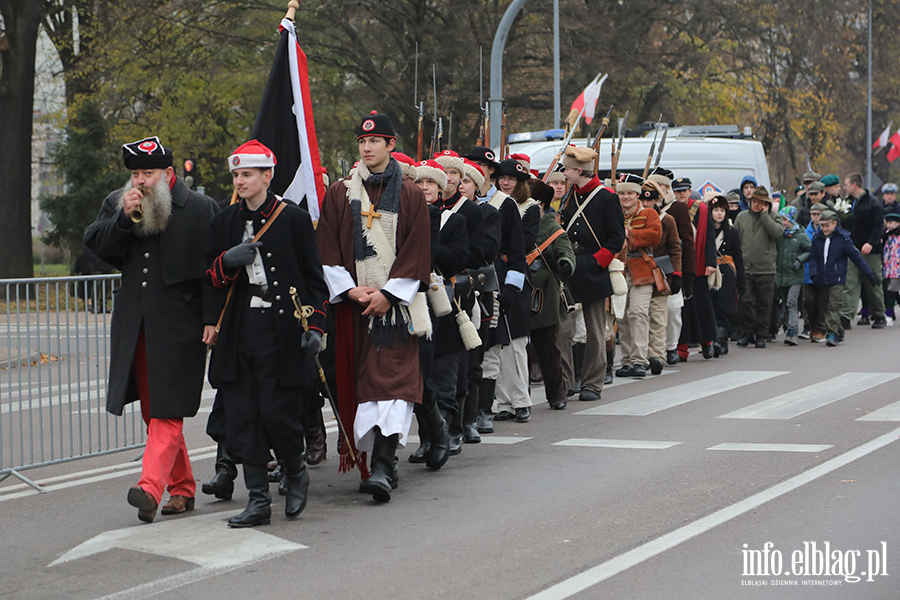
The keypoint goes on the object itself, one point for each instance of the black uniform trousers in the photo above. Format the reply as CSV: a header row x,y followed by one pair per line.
x,y
259,413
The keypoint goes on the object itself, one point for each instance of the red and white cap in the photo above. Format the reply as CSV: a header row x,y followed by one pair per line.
x,y
251,155
407,164
430,169
450,160
474,172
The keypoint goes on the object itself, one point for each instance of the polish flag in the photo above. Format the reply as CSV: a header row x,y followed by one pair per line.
x,y
882,140
894,152
588,98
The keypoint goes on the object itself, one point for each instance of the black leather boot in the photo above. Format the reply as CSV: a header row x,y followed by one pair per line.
x,y
455,439
222,484
470,416
297,477
282,479
314,432
259,508
424,439
723,340
610,359
485,421
439,434
578,351
379,482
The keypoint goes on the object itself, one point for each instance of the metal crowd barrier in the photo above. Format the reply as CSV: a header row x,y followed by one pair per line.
x,y
54,363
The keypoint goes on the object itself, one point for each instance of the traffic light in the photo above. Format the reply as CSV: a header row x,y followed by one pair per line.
x,y
191,174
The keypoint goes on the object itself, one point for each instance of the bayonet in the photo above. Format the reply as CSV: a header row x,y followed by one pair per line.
x,y
662,146
618,148
652,147
572,127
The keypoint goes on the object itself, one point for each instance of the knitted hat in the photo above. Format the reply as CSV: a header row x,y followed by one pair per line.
x,y
892,216
682,183
376,124
579,157
662,176
429,169
473,172
148,153
789,213
830,180
407,164
450,160
251,155
761,193
513,168
733,196
828,215
629,182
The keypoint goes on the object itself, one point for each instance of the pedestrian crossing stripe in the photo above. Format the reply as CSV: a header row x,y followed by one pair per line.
x,y
652,402
747,447
627,444
891,412
798,402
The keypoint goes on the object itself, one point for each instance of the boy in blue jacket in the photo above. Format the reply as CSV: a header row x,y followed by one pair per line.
x,y
831,247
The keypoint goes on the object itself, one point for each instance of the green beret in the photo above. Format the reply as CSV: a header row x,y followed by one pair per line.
x,y
830,180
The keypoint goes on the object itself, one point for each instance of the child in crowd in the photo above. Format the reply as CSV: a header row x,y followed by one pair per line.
x,y
831,247
813,305
793,252
891,257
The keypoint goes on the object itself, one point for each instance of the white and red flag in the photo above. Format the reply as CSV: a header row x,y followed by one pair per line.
x,y
882,140
588,98
285,124
894,152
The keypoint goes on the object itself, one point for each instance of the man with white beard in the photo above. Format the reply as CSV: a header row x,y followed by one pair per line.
x,y
156,231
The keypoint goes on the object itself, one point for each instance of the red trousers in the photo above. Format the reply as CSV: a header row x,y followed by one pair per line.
x,y
166,462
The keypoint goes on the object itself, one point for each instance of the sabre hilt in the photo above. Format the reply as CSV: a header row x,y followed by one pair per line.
x,y
301,312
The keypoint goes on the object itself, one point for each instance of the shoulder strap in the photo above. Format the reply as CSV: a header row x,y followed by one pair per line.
x,y
582,207
256,237
540,249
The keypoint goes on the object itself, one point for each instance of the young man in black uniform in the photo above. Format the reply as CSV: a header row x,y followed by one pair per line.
x,y
263,363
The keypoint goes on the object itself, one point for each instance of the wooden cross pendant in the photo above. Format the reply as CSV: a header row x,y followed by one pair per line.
x,y
371,214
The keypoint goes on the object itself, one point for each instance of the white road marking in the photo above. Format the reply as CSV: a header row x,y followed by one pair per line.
x,y
631,444
891,412
798,402
772,447
206,541
610,568
647,404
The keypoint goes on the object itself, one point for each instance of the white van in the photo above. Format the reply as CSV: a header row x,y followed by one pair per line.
x,y
713,157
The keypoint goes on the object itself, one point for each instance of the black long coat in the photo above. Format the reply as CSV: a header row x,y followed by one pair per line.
x,y
591,279
290,256
164,292
511,257
450,254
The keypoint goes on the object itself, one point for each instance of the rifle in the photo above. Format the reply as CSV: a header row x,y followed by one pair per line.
x,y
571,124
614,160
652,148
504,147
420,136
481,94
487,126
662,145
434,87
596,146
440,135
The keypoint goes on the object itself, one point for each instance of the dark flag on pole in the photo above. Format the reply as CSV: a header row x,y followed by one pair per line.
x,y
285,124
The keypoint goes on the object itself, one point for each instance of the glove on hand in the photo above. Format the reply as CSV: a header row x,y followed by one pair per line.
x,y
687,284
798,265
675,284
311,343
240,255
507,293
